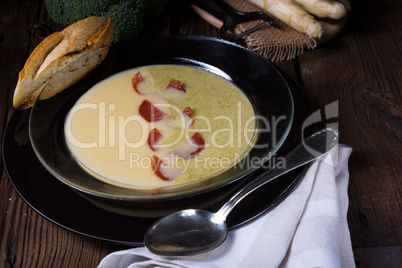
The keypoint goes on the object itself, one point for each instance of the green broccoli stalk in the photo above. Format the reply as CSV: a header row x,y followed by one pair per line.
x,y
128,15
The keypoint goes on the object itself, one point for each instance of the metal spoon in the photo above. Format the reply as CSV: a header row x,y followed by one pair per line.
x,y
191,231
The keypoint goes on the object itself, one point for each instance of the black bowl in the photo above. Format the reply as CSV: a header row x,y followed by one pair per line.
x,y
258,78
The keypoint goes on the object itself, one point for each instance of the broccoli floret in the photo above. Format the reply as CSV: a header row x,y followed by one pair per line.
x,y
128,15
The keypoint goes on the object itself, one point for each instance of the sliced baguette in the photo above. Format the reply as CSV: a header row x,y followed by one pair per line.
x,y
62,59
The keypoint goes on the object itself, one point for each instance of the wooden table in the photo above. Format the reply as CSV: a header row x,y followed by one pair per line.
x,y
361,69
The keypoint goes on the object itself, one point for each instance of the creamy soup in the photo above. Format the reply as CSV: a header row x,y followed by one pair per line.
x,y
160,125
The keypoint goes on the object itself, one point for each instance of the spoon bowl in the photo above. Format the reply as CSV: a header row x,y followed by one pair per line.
x,y
190,232
200,231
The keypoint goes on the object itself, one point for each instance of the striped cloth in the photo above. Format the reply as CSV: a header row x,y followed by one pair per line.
x,y
308,229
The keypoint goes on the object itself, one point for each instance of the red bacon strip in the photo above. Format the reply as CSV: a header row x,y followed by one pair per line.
x,y
173,83
137,78
189,113
199,141
151,113
191,147
162,170
154,137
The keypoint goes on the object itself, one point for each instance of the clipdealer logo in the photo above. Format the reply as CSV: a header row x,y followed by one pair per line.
x,y
238,132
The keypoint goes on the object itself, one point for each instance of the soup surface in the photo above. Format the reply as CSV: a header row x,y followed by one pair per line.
x,y
160,125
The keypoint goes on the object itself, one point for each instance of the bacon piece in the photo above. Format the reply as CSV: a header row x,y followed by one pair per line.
x,y
151,113
176,84
189,112
163,170
137,78
154,137
199,141
191,147
190,116
141,85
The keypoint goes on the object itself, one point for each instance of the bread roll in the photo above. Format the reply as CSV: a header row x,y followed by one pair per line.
x,y
62,59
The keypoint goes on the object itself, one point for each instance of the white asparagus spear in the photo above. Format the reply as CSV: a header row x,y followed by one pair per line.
x,y
292,14
323,8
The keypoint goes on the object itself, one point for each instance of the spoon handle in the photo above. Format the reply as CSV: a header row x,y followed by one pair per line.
x,y
312,147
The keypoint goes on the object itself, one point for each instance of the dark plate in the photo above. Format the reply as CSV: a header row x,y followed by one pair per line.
x,y
63,206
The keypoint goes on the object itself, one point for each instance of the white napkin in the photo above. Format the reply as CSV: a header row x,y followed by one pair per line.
x,y
308,229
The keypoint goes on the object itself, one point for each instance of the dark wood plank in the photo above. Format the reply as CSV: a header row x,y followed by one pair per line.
x,y
387,257
362,70
26,238
186,21
29,240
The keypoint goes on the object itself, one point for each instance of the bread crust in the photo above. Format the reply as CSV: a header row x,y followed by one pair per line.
x,y
57,54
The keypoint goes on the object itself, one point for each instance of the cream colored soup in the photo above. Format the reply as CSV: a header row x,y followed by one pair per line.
x,y
107,134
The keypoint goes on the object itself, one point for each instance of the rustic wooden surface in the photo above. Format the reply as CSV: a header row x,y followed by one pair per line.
x,y
361,68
